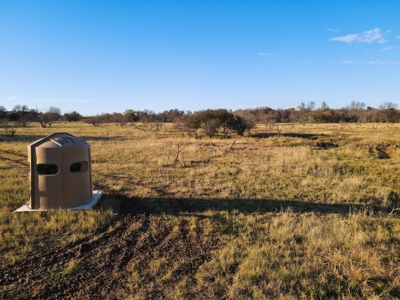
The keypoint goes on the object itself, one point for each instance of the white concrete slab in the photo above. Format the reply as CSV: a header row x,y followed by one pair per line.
x,y
96,196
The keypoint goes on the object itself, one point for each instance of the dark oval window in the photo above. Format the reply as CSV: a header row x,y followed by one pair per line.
x,y
77,167
47,169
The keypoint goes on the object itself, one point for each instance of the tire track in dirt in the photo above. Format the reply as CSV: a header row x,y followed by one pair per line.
x,y
104,277
26,271
21,159
14,161
22,156
66,252
184,253
105,260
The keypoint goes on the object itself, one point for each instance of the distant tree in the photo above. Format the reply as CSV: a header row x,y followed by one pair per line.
x,y
205,120
33,114
292,115
107,118
356,105
131,115
390,115
9,128
21,115
170,115
149,120
73,116
3,113
355,112
187,123
388,105
226,120
210,121
210,126
324,106
48,117
41,117
302,115
323,114
180,123
96,120
309,107
261,113
158,120
239,124
120,119
249,117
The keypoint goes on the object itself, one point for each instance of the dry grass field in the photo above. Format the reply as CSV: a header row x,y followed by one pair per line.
x,y
309,213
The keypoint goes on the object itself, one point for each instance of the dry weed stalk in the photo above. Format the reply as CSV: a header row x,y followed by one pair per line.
x,y
177,153
231,147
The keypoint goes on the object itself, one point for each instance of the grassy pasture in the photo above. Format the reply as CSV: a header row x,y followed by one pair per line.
x,y
306,213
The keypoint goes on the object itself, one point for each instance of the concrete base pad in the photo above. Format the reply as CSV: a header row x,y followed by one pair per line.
x,y
96,196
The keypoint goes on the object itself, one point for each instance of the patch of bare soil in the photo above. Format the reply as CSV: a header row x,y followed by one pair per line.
x,y
98,266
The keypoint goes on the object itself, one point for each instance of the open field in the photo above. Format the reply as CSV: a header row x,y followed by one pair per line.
x,y
308,213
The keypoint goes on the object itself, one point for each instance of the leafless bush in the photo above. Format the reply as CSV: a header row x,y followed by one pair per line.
x,y
120,119
48,117
177,153
9,128
95,120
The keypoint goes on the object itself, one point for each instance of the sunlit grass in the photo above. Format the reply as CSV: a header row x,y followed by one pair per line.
x,y
265,250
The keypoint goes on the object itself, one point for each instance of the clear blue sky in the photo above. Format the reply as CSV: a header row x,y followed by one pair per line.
x,y
108,56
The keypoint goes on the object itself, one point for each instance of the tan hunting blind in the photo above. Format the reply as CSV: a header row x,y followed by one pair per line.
x,y
60,174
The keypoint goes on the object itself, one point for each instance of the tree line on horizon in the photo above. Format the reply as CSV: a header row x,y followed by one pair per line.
x,y
209,120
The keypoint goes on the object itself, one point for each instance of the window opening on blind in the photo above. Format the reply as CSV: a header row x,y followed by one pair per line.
x,y
78,167
47,169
